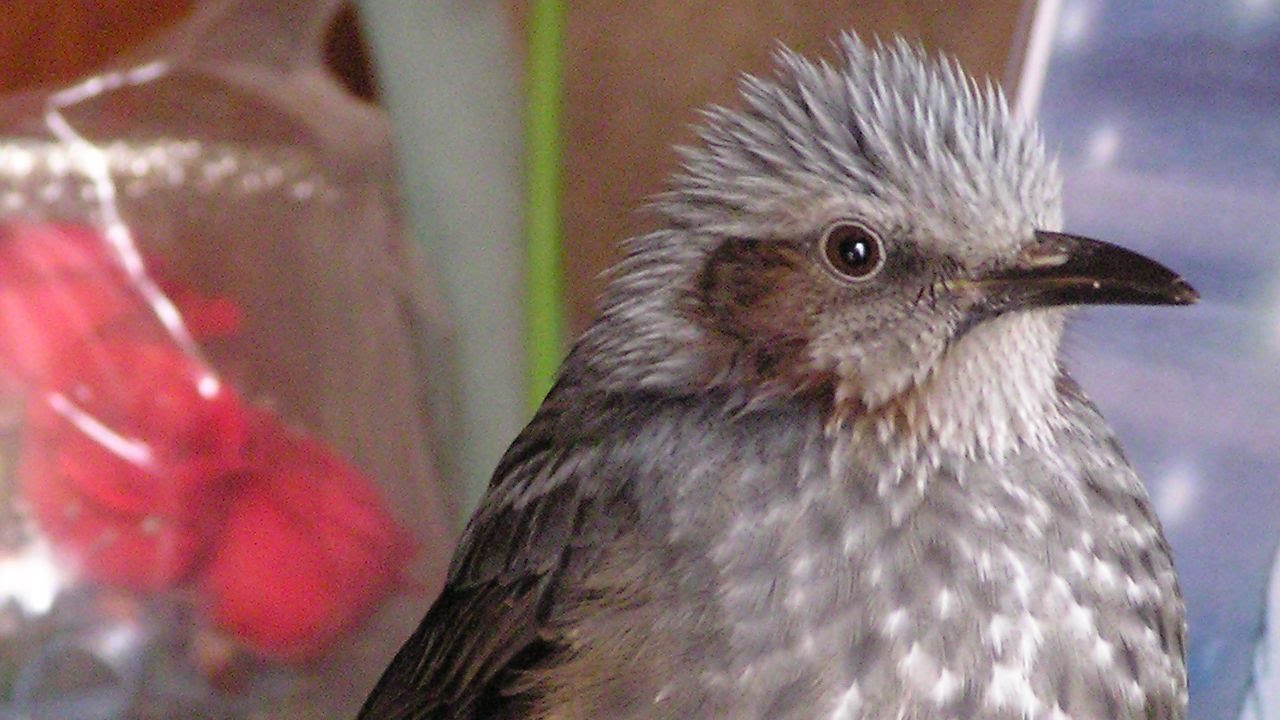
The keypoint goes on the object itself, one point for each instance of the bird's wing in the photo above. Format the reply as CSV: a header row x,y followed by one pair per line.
x,y
486,623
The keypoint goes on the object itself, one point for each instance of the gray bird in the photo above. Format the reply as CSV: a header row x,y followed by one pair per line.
x,y
818,457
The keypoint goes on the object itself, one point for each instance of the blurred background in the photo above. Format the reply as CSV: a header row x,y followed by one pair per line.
x,y
1166,115
635,74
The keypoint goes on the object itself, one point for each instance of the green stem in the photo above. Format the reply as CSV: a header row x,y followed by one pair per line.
x,y
544,313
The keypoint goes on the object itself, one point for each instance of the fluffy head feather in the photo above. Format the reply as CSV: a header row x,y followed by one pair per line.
x,y
888,123
732,294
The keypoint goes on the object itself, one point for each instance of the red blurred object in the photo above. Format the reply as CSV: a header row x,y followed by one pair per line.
x,y
152,407
129,457
137,551
148,472
308,549
205,317
58,284
61,284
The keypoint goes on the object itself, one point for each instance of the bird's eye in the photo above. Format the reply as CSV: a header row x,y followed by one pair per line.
x,y
852,250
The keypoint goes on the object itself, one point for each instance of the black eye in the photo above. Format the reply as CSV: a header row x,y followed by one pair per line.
x,y
852,250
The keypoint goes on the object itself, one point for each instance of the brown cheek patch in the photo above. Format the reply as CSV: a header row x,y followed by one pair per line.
x,y
742,273
758,294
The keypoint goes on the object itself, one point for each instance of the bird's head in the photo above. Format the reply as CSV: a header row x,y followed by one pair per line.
x,y
884,227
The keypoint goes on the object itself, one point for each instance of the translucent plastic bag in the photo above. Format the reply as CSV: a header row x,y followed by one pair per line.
x,y
1164,114
216,492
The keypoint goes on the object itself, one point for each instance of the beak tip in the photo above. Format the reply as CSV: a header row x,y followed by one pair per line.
x,y
1181,293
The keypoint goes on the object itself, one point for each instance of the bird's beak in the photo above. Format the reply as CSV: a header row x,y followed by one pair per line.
x,y
1061,269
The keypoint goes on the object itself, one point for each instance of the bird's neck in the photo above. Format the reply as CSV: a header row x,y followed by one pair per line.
x,y
991,393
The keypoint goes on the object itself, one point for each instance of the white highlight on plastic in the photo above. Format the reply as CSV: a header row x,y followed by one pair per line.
x,y
1263,700
1035,65
208,385
135,452
31,577
1076,23
1176,494
1256,12
118,641
1104,145
94,162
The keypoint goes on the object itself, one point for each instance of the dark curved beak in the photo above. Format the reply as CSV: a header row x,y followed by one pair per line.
x,y
1061,269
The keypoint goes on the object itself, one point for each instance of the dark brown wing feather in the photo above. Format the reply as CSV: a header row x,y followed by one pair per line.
x,y
486,625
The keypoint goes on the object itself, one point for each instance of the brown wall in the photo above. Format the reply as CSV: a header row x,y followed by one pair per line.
x,y
46,42
635,72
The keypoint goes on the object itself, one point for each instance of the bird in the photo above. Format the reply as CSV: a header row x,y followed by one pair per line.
x,y
818,456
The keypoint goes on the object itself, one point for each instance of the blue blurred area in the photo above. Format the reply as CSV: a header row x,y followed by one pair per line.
x,y
1167,117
